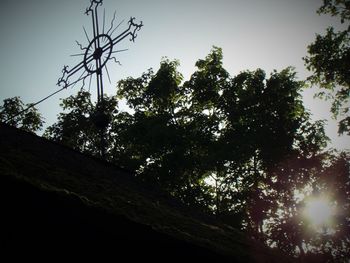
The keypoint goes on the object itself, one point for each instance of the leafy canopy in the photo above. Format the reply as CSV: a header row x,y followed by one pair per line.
x,y
12,112
329,61
238,147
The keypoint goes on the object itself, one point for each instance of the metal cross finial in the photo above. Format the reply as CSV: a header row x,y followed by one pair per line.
x,y
99,49
96,55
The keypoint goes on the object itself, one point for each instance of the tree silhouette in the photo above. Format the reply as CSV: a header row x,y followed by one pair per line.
x,y
237,147
76,128
329,61
12,112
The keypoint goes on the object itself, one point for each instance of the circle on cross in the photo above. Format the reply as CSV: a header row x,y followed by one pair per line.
x,y
98,53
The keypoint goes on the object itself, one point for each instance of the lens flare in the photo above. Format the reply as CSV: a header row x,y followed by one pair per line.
x,y
319,211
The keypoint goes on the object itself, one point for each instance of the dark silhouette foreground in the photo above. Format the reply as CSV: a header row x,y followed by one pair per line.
x,y
59,201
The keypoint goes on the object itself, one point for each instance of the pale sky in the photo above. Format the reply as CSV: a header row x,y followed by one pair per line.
x,y
38,37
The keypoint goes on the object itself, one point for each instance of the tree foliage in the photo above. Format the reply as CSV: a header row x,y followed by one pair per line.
x,y
76,127
238,147
12,112
329,61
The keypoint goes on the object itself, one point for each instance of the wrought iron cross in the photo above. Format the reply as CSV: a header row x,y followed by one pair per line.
x,y
96,55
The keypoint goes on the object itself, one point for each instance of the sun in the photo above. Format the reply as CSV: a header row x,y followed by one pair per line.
x,y
319,211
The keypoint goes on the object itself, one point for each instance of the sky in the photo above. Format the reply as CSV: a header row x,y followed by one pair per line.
x,y
38,37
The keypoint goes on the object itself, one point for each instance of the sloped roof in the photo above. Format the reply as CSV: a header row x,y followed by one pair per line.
x,y
54,168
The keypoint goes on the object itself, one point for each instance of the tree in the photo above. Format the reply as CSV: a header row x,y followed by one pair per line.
x,y
263,185
309,173
237,147
160,137
13,113
77,127
335,181
329,61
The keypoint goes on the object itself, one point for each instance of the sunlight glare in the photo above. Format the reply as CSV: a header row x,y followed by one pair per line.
x,y
319,211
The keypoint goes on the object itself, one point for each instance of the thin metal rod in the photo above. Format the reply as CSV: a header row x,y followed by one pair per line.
x,y
109,78
99,75
77,55
34,104
97,27
120,50
87,37
94,28
90,82
117,27
104,20
75,82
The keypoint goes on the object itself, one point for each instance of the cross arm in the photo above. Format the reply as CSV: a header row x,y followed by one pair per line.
x,y
130,31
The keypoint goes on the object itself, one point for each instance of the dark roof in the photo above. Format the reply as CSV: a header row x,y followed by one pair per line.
x,y
55,170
